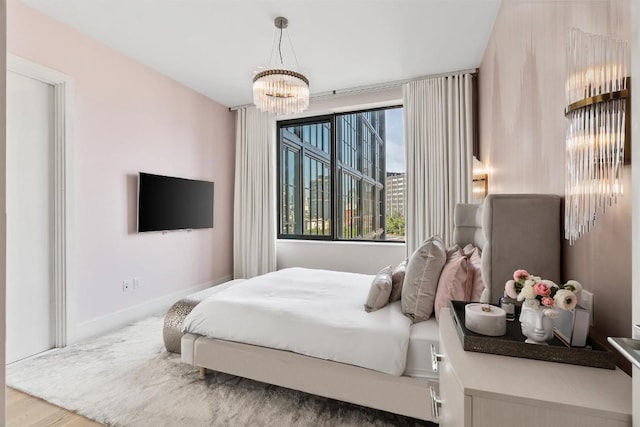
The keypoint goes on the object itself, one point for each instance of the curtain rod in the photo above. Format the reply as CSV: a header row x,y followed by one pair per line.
x,y
374,87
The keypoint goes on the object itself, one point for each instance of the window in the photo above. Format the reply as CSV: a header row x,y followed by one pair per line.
x,y
334,178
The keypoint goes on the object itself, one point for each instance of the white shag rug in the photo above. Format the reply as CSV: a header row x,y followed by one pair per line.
x,y
127,378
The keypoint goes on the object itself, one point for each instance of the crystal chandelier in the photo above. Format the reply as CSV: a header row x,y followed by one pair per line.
x,y
597,142
280,89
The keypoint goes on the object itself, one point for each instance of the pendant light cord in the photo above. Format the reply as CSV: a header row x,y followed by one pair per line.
x,y
293,51
277,41
280,47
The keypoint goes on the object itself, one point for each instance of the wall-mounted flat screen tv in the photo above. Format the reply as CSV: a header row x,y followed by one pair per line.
x,y
171,203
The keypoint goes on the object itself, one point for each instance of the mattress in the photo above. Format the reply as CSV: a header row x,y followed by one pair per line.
x,y
422,335
317,313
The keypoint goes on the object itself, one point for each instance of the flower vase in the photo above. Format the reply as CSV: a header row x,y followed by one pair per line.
x,y
536,323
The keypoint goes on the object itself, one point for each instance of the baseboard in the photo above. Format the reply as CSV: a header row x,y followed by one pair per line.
x,y
109,322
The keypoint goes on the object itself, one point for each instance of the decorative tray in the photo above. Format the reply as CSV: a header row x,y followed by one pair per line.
x,y
512,344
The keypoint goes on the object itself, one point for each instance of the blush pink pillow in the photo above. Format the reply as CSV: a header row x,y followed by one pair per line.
x,y
455,281
478,284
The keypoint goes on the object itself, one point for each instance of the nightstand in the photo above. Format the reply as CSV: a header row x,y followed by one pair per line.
x,y
485,390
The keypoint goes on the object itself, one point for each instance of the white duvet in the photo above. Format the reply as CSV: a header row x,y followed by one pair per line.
x,y
318,313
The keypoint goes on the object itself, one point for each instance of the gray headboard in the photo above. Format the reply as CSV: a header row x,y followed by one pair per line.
x,y
514,231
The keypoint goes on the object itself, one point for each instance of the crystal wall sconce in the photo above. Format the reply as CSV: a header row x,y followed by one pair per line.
x,y
480,184
598,133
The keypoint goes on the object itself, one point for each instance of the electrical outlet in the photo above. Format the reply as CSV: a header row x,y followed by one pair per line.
x,y
587,303
126,285
136,283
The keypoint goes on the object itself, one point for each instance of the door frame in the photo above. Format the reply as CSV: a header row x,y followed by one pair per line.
x,y
62,247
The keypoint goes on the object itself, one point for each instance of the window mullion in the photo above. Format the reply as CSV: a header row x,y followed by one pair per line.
x,y
361,161
337,195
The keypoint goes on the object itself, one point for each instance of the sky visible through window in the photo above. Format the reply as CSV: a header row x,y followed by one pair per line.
x,y
395,140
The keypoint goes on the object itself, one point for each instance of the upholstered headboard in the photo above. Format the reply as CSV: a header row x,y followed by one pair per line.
x,y
514,231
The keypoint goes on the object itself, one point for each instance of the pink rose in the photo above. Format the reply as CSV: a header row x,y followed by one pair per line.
x,y
520,275
548,301
542,289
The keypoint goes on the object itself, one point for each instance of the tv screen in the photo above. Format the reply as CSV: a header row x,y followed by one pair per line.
x,y
170,203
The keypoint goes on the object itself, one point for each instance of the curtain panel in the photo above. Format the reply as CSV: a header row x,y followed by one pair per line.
x,y
254,207
438,120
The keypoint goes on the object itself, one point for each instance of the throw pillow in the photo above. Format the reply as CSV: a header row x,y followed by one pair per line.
x,y
379,291
474,253
452,250
397,278
455,281
421,279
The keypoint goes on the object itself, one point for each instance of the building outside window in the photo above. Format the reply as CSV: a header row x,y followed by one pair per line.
x,y
395,191
333,180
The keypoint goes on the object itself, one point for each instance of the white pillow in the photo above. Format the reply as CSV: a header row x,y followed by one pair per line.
x,y
421,279
397,278
380,290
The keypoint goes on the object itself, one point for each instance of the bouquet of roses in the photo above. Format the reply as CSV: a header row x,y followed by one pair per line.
x,y
536,292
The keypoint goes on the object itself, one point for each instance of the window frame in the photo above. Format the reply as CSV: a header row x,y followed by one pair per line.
x,y
336,184
315,154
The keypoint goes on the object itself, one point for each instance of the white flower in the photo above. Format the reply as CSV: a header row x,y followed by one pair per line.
x,y
510,289
577,287
527,292
530,282
565,299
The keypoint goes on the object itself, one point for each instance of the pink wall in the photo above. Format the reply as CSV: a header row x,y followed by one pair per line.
x,y
3,223
129,118
522,135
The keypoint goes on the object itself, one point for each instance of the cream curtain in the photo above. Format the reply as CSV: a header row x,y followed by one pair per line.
x,y
438,120
254,225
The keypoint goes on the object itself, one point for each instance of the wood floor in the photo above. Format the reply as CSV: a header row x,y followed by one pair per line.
x,y
25,410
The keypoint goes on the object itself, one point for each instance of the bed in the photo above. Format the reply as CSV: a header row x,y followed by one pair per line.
x,y
514,231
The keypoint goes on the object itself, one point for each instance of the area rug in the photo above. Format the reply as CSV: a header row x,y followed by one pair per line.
x,y
127,378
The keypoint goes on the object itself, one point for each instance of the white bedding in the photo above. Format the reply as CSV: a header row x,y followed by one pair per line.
x,y
318,313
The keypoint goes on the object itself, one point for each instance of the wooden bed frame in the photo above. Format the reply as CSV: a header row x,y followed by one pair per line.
x,y
515,231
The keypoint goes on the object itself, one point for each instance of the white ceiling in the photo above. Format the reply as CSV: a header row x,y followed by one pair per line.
x,y
214,46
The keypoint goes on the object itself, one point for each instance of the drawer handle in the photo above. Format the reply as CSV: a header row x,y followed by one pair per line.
x,y
435,358
436,404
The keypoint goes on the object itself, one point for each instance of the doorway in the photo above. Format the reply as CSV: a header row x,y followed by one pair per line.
x,y
39,207
30,112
